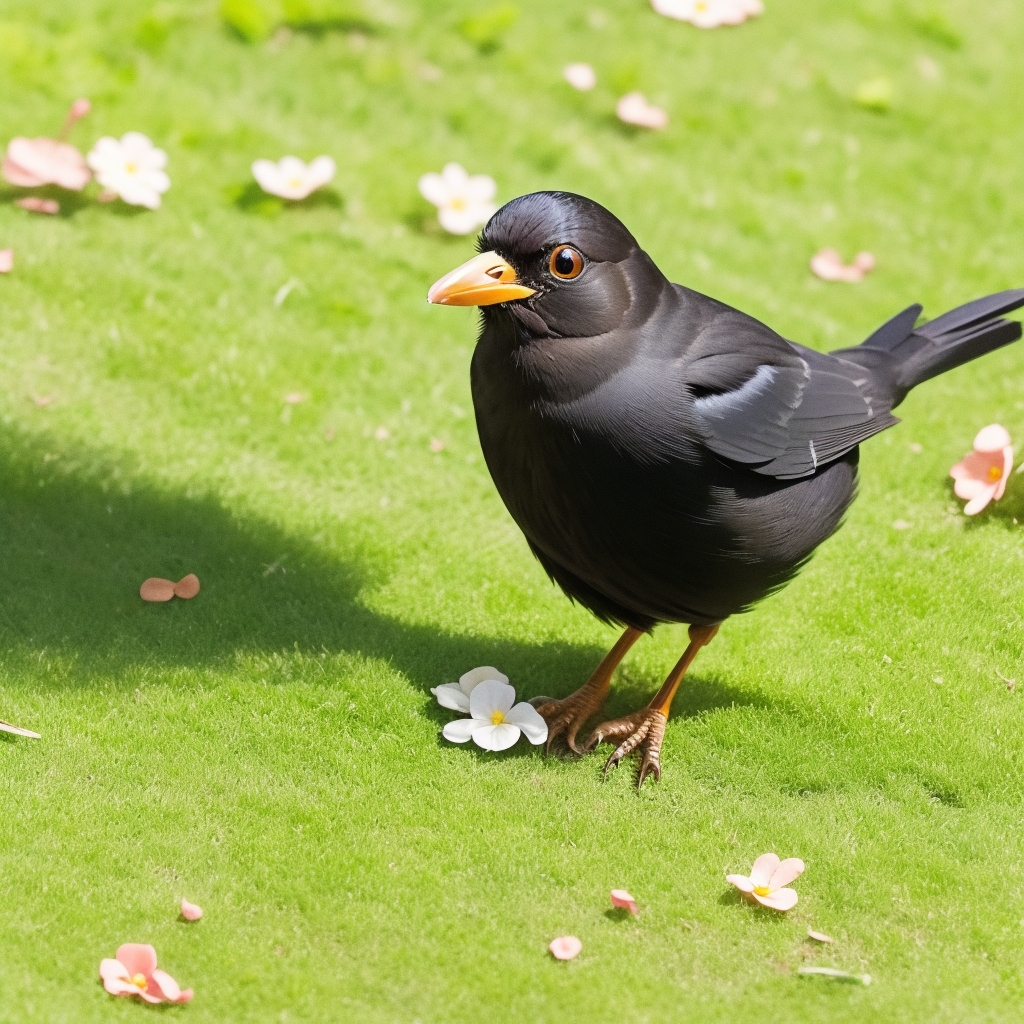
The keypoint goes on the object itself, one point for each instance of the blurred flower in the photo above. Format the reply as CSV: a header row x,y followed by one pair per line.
x,y
565,947
981,474
37,205
134,973
709,13
132,167
456,695
292,178
767,880
623,901
494,723
437,445
34,162
190,911
633,108
829,266
6,261
580,76
464,202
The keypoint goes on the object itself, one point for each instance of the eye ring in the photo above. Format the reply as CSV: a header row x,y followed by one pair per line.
x,y
565,263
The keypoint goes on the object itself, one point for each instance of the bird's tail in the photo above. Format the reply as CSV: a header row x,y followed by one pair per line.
x,y
901,356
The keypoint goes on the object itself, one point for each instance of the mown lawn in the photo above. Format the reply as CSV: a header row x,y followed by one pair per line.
x,y
271,749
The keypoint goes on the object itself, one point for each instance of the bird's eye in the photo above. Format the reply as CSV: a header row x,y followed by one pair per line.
x,y
566,263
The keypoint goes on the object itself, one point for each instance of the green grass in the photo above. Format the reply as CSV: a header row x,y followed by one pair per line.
x,y
271,749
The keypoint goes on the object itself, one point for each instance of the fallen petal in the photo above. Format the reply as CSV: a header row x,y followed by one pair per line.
x,y
819,936
831,972
187,587
156,589
192,912
741,882
15,730
565,947
6,261
37,205
580,76
622,900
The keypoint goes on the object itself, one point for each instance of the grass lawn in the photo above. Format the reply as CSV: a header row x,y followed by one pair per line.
x,y
271,749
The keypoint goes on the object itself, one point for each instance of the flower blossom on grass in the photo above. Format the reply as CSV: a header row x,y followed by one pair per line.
x,y
6,261
132,168
982,473
190,911
494,723
292,178
580,76
565,947
456,695
31,163
709,13
464,201
134,973
633,108
768,880
829,266
621,900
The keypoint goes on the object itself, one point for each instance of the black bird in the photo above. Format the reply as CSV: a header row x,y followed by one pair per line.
x,y
669,458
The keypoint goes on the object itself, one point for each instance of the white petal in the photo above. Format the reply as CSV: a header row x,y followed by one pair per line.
x,y
321,171
461,730
268,176
481,188
135,144
468,680
495,737
535,729
106,153
433,189
292,167
490,696
455,177
450,695
466,220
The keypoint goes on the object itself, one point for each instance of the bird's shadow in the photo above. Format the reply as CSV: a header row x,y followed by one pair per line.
x,y
78,536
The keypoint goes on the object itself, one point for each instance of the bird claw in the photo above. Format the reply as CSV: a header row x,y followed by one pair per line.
x,y
566,717
643,731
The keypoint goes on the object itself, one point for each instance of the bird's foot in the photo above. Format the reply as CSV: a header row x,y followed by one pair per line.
x,y
566,717
642,731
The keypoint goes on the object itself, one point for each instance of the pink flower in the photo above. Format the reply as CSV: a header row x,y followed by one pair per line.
x,y
580,76
829,266
633,108
134,973
565,947
767,880
33,162
623,901
6,261
190,911
981,474
36,205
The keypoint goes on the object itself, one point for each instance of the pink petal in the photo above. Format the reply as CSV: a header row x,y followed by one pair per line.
x,y
190,911
968,487
789,869
763,869
741,882
18,175
993,438
864,262
975,505
113,969
781,899
565,947
622,900
6,261
36,205
819,936
164,986
137,958
1007,466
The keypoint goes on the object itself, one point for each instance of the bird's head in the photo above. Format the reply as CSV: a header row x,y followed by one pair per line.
x,y
561,264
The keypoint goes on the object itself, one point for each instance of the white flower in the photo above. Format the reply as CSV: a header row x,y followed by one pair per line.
x,y
132,168
709,13
633,108
292,178
580,76
456,695
495,724
464,202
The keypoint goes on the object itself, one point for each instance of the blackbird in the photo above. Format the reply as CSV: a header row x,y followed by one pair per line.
x,y
669,458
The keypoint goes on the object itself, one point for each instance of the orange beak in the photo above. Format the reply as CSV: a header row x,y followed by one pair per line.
x,y
481,281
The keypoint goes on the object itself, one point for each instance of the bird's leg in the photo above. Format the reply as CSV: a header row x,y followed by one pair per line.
x,y
645,729
566,717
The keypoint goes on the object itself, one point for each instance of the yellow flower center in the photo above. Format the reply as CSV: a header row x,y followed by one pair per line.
x,y
458,203
995,472
131,167
761,890
139,981
702,7
497,717
295,183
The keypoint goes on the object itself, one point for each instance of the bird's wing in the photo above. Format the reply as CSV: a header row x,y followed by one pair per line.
x,y
778,408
